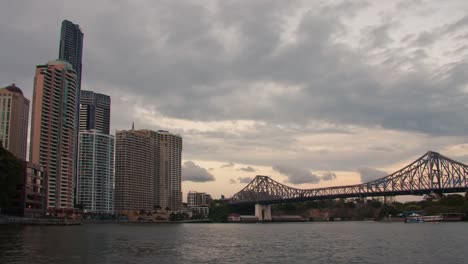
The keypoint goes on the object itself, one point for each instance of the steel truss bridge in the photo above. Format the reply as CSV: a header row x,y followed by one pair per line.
x,y
431,173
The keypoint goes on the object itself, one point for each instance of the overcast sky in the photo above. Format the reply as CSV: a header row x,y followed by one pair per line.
x,y
312,93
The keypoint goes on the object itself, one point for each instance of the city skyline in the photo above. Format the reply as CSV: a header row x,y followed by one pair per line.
x,y
304,95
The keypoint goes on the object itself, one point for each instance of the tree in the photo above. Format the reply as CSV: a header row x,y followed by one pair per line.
x,y
453,200
219,211
413,207
12,171
375,204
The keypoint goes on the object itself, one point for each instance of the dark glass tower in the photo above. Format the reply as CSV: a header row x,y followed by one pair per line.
x,y
71,47
71,50
94,111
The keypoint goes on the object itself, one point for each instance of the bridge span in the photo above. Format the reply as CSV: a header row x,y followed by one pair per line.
x,y
431,173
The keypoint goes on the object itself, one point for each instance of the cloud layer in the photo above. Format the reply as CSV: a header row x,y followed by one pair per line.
x,y
307,84
370,174
193,172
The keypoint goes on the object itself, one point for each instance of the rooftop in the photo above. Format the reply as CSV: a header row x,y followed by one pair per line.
x,y
14,89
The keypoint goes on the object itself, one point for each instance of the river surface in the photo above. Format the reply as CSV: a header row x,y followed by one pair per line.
x,y
332,242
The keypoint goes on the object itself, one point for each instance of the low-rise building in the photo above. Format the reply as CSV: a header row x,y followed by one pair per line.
x,y
34,191
200,211
198,199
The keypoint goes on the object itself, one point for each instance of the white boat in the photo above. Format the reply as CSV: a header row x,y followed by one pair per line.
x,y
433,218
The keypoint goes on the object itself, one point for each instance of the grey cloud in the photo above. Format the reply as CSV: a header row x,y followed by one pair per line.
x,y
193,172
426,38
205,64
232,181
328,176
247,169
378,36
297,175
370,174
227,165
462,23
228,61
245,179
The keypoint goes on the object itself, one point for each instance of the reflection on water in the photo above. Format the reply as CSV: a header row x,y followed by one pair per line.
x,y
339,242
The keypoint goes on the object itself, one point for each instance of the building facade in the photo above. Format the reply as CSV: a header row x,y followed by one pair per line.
x,y
148,170
35,191
198,203
14,118
95,111
134,171
95,182
198,199
29,196
71,48
53,132
168,170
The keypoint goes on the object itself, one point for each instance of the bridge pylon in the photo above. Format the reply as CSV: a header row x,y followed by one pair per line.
x,y
263,212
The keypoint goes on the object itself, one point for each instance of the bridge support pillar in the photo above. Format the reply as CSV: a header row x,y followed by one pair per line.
x,y
263,212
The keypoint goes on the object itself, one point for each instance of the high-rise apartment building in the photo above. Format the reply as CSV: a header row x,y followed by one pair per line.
x,y
94,111
147,170
95,183
14,118
134,171
95,173
168,180
53,132
71,47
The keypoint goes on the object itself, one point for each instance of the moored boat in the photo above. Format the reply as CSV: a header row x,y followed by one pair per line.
x,y
432,218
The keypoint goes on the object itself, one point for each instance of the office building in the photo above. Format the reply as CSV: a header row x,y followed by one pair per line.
x,y
71,48
95,182
148,170
53,132
14,118
95,111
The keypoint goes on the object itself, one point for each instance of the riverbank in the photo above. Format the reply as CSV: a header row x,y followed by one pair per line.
x,y
38,221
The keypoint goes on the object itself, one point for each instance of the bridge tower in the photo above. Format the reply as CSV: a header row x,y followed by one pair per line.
x,y
263,212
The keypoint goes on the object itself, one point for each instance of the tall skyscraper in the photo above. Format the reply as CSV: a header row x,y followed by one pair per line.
x,y
94,111
71,47
53,132
14,118
148,170
95,183
71,50
134,171
95,174
168,181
